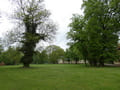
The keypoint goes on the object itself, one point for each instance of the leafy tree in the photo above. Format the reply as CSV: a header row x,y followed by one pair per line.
x,y
68,55
55,53
104,35
40,57
36,26
78,36
11,56
75,54
96,34
72,54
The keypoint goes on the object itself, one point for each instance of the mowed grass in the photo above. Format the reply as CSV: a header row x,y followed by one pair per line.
x,y
59,77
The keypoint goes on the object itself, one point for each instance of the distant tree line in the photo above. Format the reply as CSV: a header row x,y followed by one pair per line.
x,y
50,55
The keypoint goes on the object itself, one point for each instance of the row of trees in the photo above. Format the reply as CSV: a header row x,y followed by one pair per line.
x,y
51,54
96,34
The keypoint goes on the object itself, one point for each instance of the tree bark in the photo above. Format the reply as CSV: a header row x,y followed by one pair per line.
x,y
26,65
101,62
85,62
76,62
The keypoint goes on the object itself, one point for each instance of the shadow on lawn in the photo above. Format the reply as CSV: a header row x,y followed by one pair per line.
x,y
112,65
20,67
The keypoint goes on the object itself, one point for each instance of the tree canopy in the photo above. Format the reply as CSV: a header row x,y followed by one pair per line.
x,y
96,33
55,53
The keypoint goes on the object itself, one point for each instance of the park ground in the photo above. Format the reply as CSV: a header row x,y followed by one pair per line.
x,y
59,77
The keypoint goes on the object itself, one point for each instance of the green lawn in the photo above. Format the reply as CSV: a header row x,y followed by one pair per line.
x,y
59,77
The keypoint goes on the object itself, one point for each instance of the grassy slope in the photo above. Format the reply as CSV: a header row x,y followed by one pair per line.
x,y
59,77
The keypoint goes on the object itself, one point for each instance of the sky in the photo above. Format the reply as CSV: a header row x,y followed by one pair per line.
x,y
61,12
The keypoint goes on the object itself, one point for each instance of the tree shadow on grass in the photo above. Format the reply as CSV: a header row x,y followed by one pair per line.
x,y
112,65
19,67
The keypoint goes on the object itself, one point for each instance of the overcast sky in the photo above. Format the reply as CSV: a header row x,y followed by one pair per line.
x,y
61,11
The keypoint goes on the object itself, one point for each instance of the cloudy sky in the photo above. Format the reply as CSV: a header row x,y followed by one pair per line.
x,y
61,11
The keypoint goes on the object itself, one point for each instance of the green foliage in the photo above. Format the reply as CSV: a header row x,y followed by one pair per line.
x,y
68,55
11,56
96,34
55,53
51,54
72,54
78,36
40,57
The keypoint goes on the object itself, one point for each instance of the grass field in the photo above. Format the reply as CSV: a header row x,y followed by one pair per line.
x,y
59,77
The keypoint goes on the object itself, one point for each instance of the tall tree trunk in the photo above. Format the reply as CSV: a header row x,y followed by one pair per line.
x,y
101,63
63,62
90,63
28,51
26,65
85,62
95,63
76,62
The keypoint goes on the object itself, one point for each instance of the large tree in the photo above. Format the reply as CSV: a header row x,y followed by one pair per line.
x,y
102,30
96,34
32,16
78,37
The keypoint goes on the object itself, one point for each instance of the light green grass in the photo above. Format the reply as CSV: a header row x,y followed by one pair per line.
x,y
59,77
